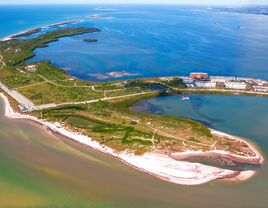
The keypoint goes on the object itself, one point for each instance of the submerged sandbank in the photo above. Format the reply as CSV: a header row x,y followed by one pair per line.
x,y
156,164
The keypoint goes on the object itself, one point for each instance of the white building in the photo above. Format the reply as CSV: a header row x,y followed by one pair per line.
x,y
187,80
205,84
246,79
31,68
221,79
235,85
260,88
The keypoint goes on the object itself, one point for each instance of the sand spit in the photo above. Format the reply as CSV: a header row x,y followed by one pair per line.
x,y
156,164
37,29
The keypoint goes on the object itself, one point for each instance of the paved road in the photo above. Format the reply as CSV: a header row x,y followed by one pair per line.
x,y
24,103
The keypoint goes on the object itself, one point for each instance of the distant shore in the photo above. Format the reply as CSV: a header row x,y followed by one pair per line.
x,y
156,164
37,29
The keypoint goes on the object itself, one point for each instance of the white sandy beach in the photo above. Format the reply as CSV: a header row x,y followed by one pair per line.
x,y
155,164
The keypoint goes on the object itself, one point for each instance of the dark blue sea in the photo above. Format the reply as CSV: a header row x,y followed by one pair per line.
x,y
149,41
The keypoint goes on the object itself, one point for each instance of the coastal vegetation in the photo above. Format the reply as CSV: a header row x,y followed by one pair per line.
x,y
102,110
114,125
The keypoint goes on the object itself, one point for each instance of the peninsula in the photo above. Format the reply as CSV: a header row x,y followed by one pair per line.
x,y
98,114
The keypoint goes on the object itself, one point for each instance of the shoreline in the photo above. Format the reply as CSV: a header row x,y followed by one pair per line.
x,y
21,34
155,164
253,160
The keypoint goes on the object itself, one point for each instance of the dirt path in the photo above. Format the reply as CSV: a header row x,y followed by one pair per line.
x,y
3,64
59,85
102,99
31,85
163,133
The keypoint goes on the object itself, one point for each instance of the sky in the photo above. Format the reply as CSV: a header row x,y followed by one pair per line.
x,y
198,2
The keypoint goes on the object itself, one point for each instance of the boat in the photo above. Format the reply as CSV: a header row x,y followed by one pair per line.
x,y
185,98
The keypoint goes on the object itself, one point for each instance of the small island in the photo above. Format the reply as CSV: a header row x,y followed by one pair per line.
x,y
90,40
99,115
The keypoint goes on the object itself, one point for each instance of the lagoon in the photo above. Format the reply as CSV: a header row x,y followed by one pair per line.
x,y
244,116
153,41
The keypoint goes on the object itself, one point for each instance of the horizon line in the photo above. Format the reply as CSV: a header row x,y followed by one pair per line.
x,y
133,3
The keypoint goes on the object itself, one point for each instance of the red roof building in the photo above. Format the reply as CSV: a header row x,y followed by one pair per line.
x,y
199,76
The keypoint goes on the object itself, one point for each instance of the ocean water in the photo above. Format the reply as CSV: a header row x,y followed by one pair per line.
x,y
39,169
14,19
149,41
